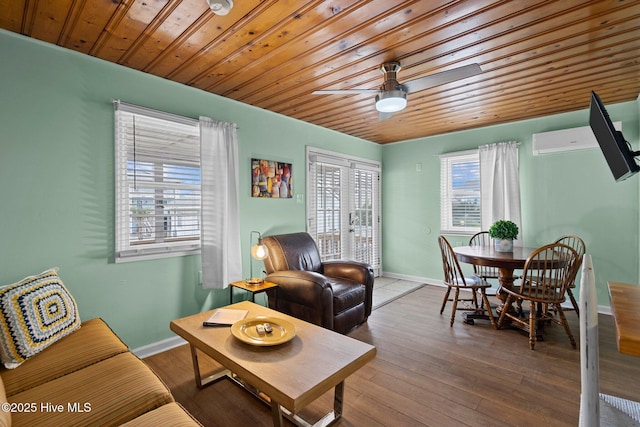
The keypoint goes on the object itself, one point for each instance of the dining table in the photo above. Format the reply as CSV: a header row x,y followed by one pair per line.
x,y
505,262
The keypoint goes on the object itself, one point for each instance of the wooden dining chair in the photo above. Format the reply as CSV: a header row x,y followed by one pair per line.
x,y
455,280
578,245
545,279
482,238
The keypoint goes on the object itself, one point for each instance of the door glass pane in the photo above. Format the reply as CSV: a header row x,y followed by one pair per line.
x,y
362,218
328,208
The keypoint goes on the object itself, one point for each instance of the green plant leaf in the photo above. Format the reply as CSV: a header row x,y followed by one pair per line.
x,y
504,229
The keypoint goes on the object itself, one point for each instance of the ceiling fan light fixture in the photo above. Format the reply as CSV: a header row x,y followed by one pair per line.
x,y
391,101
220,7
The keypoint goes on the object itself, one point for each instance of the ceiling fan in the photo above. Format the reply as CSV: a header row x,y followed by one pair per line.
x,y
392,96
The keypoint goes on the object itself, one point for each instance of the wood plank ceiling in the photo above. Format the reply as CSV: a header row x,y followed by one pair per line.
x,y
538,57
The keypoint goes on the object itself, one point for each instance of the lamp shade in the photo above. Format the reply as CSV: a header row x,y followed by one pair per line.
x,y
259,250
391,101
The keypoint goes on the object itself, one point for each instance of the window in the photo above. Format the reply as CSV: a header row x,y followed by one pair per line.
x,y
460,193
157,183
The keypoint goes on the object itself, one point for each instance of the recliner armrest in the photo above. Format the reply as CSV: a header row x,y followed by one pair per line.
x,y
304,287
359,272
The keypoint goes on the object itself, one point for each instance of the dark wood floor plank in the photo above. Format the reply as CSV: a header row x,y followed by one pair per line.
x,y
429,374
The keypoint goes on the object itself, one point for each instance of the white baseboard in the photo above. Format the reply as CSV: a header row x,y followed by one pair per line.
x,y
158,347
427,280
604,309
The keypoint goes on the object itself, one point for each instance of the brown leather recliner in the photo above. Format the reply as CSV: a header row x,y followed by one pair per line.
x,y
336,295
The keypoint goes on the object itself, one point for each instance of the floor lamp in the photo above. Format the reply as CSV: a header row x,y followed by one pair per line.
x,y
258,251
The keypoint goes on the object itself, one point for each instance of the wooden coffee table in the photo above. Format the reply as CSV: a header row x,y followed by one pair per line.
x,y
288,376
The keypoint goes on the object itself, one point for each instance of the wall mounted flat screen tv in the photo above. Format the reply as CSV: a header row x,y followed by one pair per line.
x,y
615,148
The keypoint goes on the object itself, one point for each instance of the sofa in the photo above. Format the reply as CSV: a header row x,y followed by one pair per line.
x,y
335,294
89,377
83,376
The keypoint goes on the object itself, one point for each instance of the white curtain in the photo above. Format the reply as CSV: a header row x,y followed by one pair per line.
x,y
220,239
500,184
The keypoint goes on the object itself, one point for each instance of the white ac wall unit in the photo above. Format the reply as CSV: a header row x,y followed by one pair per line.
x,y
558,141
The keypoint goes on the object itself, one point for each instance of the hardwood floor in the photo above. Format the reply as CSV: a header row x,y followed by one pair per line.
x,y
429,374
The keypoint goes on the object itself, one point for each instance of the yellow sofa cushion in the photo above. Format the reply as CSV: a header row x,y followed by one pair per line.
x,y
107,393
172,414
93,342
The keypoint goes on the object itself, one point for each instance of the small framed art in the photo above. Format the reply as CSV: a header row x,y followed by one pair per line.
x,y
271,179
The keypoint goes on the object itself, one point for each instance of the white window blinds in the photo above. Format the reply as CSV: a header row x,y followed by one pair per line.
x,y
460,193
326,201
157,183
365,219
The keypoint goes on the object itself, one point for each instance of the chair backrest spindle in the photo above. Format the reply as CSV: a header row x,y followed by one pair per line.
x,y
452,271
483,239
577,244
548,272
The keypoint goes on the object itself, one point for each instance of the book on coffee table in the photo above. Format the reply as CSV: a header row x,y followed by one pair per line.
x,y
225,317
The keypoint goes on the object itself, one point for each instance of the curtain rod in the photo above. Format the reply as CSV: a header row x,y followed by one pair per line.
x,y
455,153
135,108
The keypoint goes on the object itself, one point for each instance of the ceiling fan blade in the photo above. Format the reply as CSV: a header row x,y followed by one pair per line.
x,y
343,91
447,76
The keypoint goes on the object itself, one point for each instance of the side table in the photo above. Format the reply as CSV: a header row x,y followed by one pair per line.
x,y
254,289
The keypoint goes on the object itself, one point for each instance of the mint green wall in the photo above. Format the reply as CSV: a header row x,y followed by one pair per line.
x,y
563,193
57,183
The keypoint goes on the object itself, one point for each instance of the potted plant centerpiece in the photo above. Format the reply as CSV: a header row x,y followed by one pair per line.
x,y
503,233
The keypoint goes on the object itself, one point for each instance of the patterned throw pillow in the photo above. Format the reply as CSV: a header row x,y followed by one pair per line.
x,y
34,313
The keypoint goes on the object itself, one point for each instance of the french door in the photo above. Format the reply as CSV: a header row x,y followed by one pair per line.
x,y
343,206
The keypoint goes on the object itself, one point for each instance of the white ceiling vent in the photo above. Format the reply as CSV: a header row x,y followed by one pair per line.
x,y
558,141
